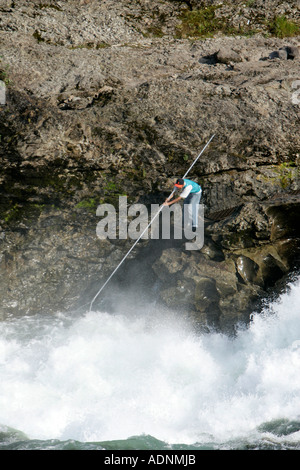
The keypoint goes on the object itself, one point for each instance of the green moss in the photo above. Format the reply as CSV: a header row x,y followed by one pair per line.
x,y
286,172
281,27
200,23
112,189
12,213
22,211
205,23
89,204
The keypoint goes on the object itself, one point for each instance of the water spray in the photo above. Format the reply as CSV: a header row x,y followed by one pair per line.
x,y
144,231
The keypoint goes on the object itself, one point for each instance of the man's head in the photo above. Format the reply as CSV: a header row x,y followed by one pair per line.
x,y
179,183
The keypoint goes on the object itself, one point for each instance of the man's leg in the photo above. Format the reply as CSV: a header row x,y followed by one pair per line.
x,y
195,201
186,210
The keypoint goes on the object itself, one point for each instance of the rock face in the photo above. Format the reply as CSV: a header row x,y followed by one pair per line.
x,y
110,98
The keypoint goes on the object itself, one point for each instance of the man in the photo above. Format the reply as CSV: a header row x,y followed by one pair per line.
x,y
191,193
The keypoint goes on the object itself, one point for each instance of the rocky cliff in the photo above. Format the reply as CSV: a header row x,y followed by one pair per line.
x,y
110,98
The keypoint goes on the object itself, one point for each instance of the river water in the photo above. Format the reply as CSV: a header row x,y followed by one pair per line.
x,y
147,381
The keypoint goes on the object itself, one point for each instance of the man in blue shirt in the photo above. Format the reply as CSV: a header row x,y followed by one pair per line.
x,y
191,193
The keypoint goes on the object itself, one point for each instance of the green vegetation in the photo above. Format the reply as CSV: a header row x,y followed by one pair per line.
x,y
12,213
281,27
22,211
205,23
112,191
89,204
286,173
200,23
109,193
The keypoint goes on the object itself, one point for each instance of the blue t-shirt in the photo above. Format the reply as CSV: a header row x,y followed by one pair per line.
x,y
190,187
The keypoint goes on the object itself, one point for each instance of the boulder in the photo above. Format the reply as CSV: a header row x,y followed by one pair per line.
x,y
285,53
227,56
247,268
293,52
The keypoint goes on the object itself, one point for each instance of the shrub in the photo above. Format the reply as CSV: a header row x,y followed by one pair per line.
x,y
200,23
281,27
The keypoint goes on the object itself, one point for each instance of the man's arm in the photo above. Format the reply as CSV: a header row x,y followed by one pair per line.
x,y
169,203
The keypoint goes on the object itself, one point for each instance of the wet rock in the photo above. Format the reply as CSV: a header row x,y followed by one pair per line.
x,y
263,265
171,262
271,271
206,294
208,287
212,251
179,297
289,250
247,268
284,220
237,308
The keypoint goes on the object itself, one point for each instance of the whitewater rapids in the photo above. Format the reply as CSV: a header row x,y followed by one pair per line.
x,y
99,377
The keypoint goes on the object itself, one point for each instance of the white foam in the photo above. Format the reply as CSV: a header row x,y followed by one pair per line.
x,y
105,377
